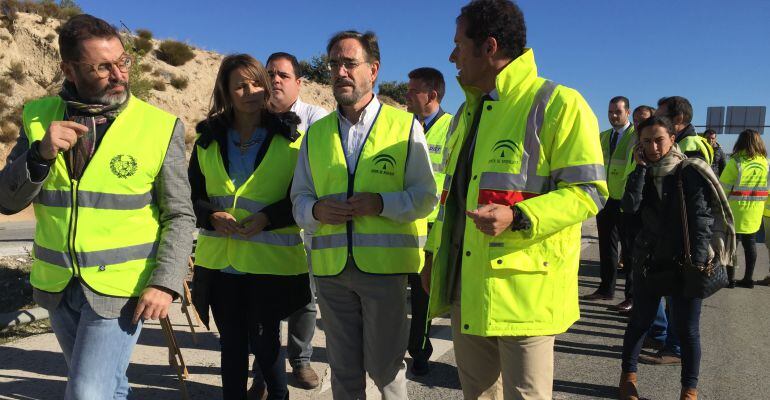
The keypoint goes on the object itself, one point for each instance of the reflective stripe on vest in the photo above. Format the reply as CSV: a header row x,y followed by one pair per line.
x,y
274,252
377,244
105,226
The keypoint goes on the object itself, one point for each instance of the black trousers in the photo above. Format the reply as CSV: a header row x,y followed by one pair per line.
x,y
749,242
419,347
235,310
610,222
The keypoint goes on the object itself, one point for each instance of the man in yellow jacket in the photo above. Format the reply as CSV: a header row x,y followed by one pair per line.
x,y
525,170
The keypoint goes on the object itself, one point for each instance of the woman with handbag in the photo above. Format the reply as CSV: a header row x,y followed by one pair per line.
x,y
653,193
744,180
250,265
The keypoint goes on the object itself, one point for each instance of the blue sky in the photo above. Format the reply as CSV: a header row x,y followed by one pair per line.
x,y
712,52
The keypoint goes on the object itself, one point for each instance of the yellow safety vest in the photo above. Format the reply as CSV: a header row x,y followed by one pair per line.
x,y
616,163
377,244
698,144
537,147
436,137
103,227
745,183
274,252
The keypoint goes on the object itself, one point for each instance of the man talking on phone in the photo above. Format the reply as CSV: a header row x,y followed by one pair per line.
x,y
106,174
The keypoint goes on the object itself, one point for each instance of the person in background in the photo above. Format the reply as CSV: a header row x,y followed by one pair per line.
x,y
719,155
423,99
651,191
679,110
250,262
617,143
744,180
105,174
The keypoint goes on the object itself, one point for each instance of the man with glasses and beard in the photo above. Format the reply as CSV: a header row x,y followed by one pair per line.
x,y
106,173
363,186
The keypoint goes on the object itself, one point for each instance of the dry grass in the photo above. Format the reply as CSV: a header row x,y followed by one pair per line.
x,y
50,37
16,72
179,82
6,87
8,132
159,85
174,53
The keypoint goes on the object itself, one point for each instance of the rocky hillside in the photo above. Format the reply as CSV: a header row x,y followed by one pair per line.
x,y
29,68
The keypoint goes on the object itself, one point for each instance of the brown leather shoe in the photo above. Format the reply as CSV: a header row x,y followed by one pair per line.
x,y
627,386
306,377
596,296
623,307
650,343
661,358
689,394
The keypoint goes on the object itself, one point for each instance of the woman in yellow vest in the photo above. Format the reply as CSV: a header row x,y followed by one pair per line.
x,y
250,261
744,180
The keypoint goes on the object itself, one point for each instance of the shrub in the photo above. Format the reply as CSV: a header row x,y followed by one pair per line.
x,y
4,104
179,82
144,34
174,53
16,72
159,85
68,9
50,37
140,85
8,132
145,67
316,69
6,88
395,90
142,45
9,11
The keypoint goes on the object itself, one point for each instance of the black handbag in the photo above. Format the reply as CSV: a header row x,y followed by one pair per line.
x,y
698,281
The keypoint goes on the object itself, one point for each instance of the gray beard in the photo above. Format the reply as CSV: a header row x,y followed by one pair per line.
x,y
110,100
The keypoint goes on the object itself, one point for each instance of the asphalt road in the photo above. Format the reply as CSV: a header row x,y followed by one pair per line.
x,y
734,330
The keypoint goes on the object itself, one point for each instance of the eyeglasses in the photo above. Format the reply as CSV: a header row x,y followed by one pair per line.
x,y
103,70
334,65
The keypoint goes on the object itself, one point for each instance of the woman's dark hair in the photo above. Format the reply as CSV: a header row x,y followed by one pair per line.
x,y
499,19
656,121
749,145
221,103
368,41
649,109
79,29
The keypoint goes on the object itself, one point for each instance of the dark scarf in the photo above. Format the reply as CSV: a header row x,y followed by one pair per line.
x,y
74,103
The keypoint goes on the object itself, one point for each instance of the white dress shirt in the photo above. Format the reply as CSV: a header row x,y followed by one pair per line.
x,y
308,113
415,202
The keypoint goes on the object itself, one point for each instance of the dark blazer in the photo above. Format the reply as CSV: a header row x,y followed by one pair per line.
x,y
279,295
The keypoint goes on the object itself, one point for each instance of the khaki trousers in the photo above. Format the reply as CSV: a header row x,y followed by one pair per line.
x,y
364,317
503,368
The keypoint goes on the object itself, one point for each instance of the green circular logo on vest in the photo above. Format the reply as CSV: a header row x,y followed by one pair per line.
x,y
123,165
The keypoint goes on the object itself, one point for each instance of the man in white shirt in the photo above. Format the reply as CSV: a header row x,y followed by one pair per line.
x,y
363,185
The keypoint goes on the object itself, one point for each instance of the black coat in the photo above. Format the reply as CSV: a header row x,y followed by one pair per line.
x,y
277,296
660,235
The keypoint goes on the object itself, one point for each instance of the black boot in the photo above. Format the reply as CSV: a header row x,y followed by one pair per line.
x,y
730,277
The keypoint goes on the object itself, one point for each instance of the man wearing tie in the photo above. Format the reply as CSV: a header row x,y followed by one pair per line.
x,y
617,143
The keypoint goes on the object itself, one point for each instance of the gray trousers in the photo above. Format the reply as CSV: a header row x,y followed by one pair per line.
x,y
364,317
301,331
